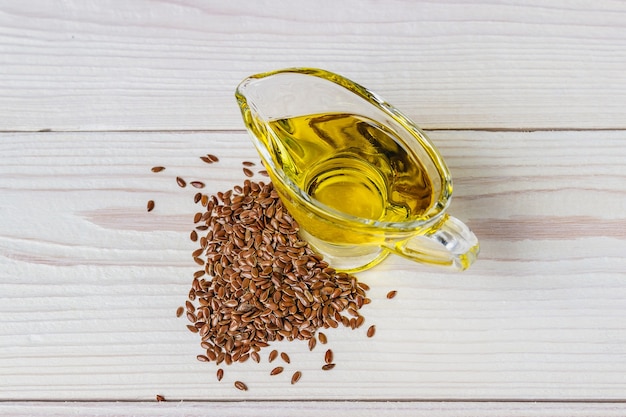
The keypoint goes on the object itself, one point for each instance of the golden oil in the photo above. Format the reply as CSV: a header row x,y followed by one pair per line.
x,y
353,165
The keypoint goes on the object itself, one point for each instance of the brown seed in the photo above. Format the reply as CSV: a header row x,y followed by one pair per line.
x,y
197,184
213,157
193,236
159,397
264,283
391,294
277,370
181,182
248,172
241,386
328,357
157,169
371,331
202,358
220,374
248,163
197,197
322,337
179,311
150,205
273,355
296,377
328,366
264,173
206,159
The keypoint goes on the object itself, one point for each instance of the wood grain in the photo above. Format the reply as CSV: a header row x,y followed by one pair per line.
x,y
315,408
174,65
90,281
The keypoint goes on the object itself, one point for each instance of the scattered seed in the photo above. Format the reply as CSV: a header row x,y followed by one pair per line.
x,y
179,311
328,367
197,184
181,182
150,205
391,294
206,159
259,283
371,331
328,357
159,397
296,377
277,370
264,173
220,374
213,157
248,163
241,386
157,169
248,172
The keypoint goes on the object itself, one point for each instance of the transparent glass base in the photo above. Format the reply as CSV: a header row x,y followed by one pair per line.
x,y
346,258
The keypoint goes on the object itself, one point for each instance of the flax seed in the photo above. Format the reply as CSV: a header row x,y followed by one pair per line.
x,y
206,159
241,386
391,294
248,163
219,374
277,370
328,357
157,169
248,172
264,173
197,184
179,311
213,157
371,331
181,182
263,284
159,397
150,205
328,366
296,377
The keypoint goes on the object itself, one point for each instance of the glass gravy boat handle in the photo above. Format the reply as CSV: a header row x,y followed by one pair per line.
x,y
451,244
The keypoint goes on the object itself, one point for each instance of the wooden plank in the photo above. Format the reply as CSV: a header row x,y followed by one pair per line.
x,y
315,408
162,65
90,281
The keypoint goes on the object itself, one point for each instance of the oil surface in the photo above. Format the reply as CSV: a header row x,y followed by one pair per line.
x,y
353,165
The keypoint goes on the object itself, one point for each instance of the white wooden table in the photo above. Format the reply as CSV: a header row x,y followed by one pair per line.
x,y
526,101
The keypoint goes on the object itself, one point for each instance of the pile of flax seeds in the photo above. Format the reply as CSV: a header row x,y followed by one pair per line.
x,y
257,281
